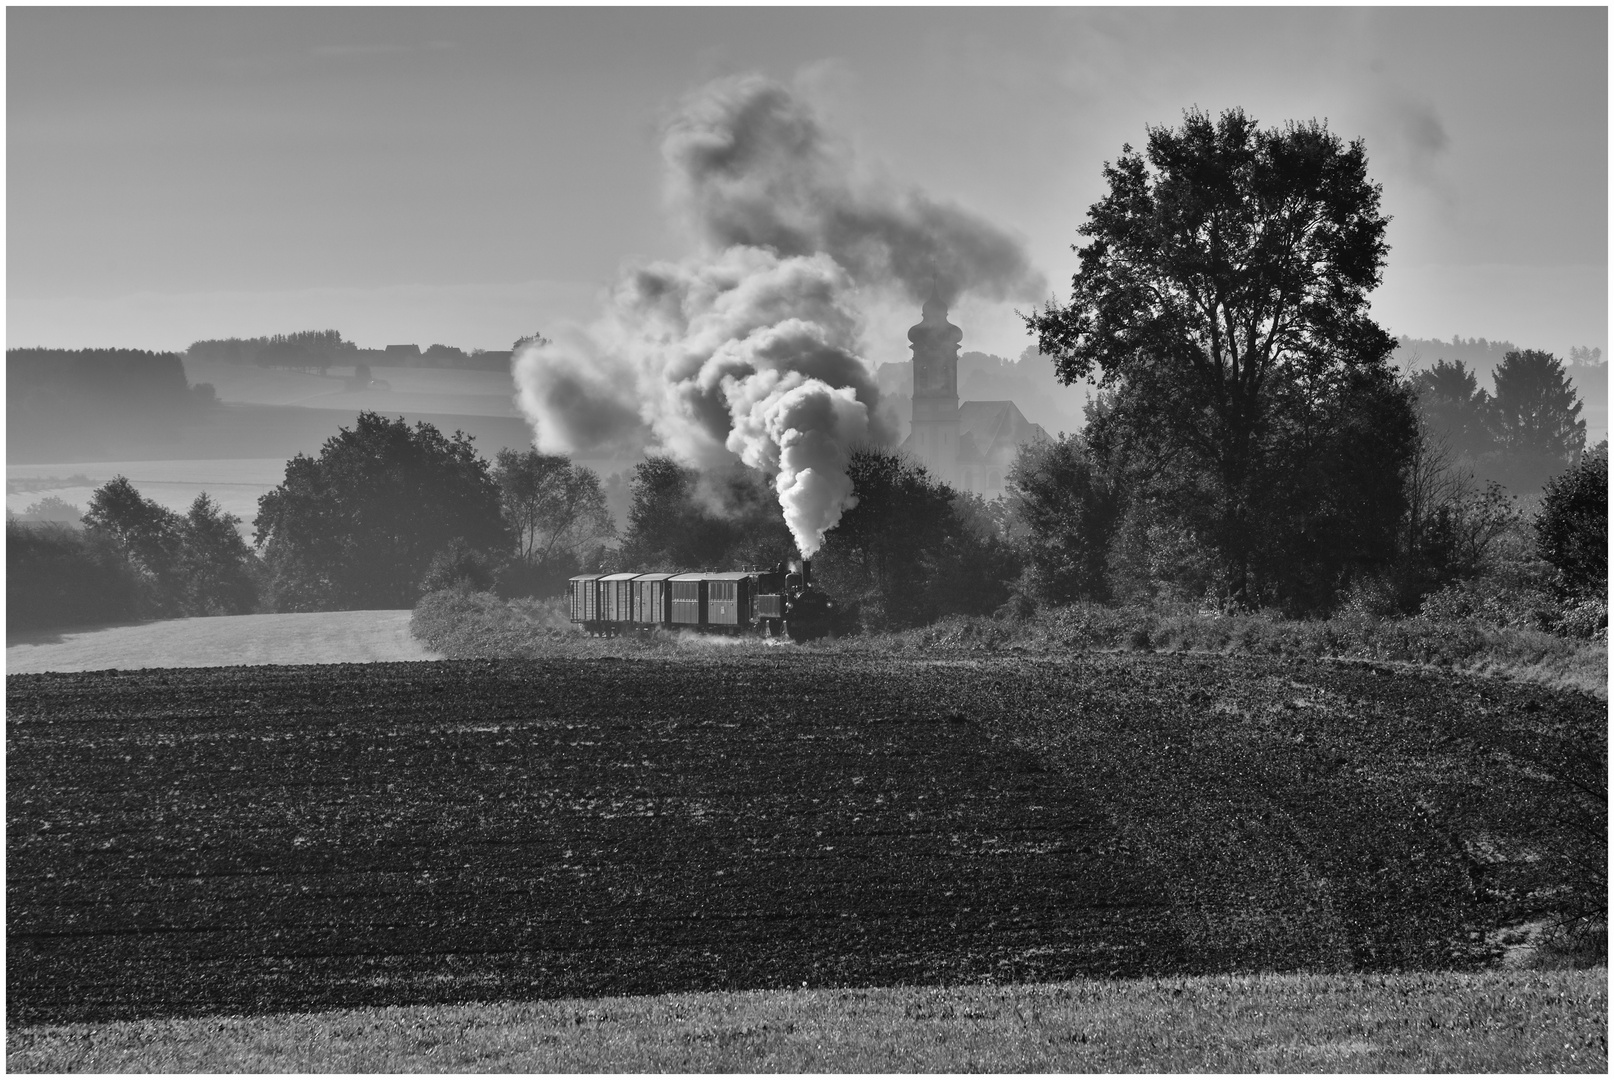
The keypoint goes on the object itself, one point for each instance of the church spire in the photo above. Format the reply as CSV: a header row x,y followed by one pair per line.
x,y
935,352
934,435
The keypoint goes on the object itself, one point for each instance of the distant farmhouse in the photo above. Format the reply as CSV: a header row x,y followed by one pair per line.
x,y
969,445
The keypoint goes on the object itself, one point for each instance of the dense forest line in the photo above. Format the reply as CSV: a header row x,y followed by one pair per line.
x,y
319,350
59,400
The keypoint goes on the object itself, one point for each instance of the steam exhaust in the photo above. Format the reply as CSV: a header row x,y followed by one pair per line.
x,y
750,348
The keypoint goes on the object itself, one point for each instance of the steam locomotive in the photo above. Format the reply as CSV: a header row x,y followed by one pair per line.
x,y
770,602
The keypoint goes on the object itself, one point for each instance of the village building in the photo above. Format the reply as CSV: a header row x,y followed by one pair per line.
x,y
969,445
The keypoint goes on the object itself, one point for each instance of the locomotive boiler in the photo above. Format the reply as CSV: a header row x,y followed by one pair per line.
x,y
779,601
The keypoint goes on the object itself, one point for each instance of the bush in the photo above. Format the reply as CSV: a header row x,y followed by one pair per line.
x,y
1585,619
462,624
460,567
1493,601
1571,531
58,576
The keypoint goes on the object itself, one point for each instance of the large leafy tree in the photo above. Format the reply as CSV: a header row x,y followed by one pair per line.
x,y
1537,415
1070,512
912,548
1222,299
358,526
682,520
1455,409
194,563
558,513
216,567
556,508
150,536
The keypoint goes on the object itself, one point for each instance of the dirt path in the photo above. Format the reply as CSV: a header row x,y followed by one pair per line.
x,y
326,637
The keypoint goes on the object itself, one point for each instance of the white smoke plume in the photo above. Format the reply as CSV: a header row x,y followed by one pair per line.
x,y
749,347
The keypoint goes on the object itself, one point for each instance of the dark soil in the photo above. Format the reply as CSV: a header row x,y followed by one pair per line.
x,y
255,840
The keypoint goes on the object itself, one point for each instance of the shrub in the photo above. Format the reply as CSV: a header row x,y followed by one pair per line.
x,y
460,623
458,566
59,576
1585,619
1571,531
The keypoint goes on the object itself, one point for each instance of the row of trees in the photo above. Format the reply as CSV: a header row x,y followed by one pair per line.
x,y
387,512
1526,432
319,350
130,559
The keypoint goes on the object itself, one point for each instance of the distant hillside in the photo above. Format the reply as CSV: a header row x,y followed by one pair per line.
x,y
244,431
62,398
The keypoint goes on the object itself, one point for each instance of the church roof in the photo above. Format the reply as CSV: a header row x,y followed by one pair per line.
x,y
996,428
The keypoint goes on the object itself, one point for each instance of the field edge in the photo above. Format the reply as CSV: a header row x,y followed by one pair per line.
x,y
1507,1021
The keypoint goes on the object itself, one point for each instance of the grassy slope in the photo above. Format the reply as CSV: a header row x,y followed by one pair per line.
x,y
323,637
1511,1022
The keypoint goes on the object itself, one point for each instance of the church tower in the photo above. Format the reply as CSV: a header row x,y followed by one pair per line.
x,y
934,437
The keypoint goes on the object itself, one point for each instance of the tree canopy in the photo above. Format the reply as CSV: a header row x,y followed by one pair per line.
x,y
557,513
554,507
1571,532
913,549
1537,417
194,563
680,520
1070,514
358,526
1455,408
1222,302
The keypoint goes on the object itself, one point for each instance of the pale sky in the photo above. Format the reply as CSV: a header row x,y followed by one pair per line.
x,y
467,176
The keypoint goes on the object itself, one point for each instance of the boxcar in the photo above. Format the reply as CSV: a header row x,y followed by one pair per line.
x,y
688,599
652,600
583,599
616,599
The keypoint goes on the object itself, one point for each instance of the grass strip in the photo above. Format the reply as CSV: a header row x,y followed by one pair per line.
x,y
1500,1021
478,625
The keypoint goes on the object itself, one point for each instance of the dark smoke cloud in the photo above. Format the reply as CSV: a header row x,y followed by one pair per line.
x,y
750,164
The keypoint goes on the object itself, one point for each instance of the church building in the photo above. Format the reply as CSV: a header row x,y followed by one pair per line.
x,y
969,445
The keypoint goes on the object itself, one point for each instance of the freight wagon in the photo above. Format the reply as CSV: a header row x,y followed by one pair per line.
x,y
770,602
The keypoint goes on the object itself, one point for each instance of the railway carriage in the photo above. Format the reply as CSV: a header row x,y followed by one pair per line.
x,y
652,600
616,600
728,601
688,600
769,602
583,601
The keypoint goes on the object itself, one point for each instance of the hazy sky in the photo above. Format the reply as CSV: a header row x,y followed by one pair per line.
x,y
466,176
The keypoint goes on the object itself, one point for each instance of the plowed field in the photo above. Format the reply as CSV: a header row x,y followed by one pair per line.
x,y
252,840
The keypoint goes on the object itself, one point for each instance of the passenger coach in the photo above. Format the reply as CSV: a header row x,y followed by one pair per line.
x,y
762,601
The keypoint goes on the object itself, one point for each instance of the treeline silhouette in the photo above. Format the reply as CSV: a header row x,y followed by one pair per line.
x,y
43,380
62,400
319,350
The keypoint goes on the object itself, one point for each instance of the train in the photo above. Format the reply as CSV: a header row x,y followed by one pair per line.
x,y
781,601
